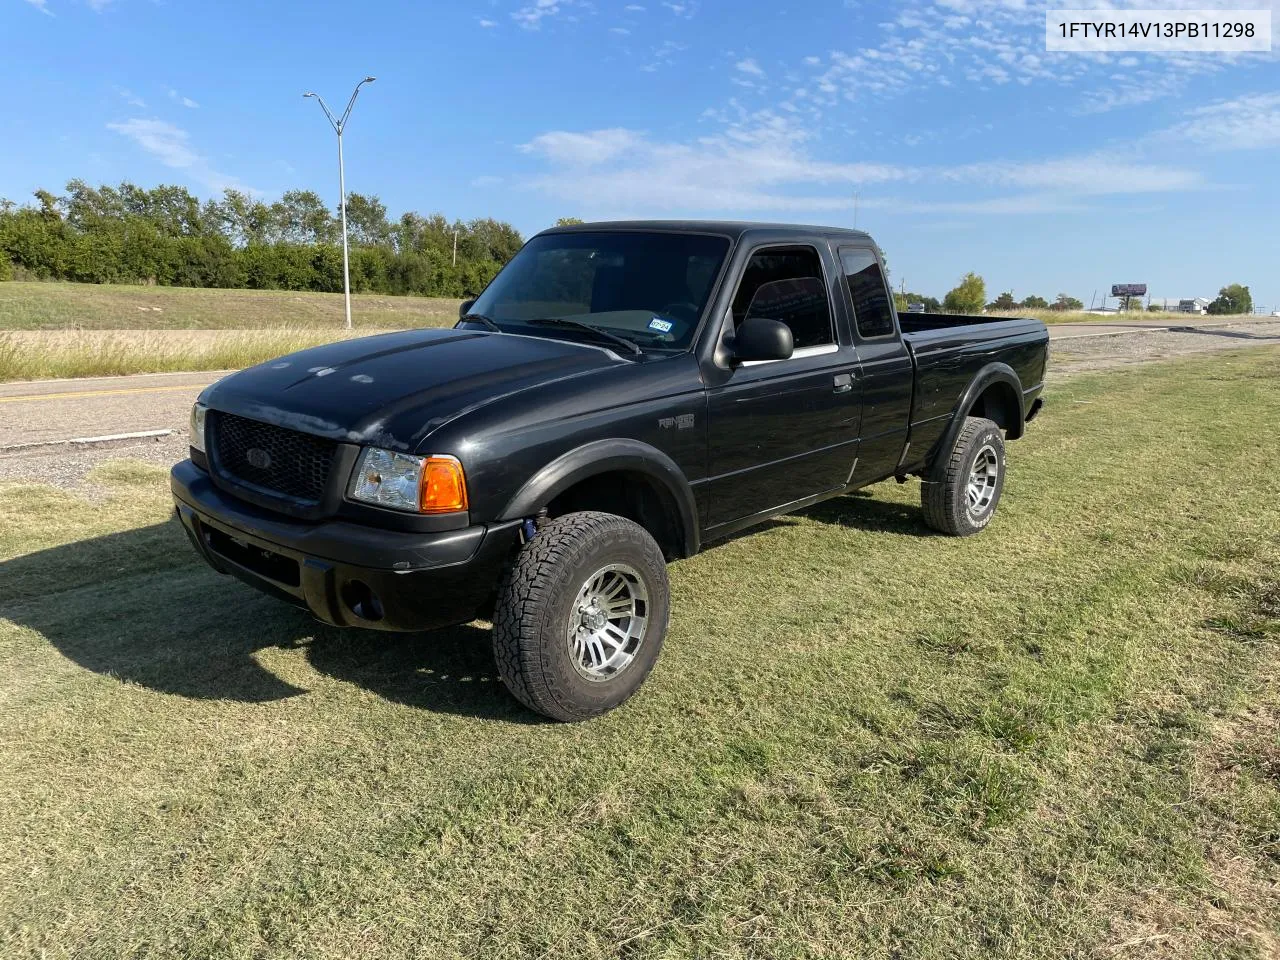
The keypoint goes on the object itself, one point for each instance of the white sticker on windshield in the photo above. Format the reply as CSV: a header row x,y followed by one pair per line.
x,y
662,326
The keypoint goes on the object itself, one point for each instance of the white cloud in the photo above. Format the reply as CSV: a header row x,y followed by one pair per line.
x,y
743,168
531,15
685,9
621,31
175,96
99,5
663,55
1249,122
42,6
633,8
762,162
487,23
486,180
129,97
749,66
1091,174
171,145
990,43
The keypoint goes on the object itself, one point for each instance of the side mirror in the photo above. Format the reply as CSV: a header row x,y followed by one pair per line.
x,y
465,307
758,338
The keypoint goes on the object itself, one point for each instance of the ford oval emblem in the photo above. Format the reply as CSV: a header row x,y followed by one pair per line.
x,y
258,457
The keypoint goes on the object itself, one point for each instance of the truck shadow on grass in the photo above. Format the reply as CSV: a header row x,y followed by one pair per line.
x,y
860,510
139,607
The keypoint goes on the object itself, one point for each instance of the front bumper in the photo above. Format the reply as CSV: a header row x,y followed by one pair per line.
x,y
346,574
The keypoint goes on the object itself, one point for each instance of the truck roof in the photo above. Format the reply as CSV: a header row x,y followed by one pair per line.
x,y
730,228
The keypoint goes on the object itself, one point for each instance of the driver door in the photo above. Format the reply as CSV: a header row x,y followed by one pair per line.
x,y
784,430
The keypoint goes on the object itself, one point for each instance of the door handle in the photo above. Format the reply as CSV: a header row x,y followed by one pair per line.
x,y
842,383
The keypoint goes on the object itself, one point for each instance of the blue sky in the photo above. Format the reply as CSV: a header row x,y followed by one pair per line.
x,y
968,145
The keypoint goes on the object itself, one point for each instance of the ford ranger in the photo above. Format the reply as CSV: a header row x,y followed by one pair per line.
x,y
620,395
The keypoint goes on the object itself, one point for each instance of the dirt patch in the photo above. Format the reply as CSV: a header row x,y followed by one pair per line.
x,y
1075,355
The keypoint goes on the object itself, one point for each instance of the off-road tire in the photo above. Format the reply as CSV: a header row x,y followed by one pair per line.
x,y
530,622
944,493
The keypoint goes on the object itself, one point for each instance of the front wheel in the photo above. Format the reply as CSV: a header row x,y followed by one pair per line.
x,y
961,492
581,615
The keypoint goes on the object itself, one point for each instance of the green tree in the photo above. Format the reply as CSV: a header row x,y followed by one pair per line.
x,y
165,235
367,220
1034,303
300,216
1003,302
242,219
1232,299
967,296
1065,302
903,302
568,221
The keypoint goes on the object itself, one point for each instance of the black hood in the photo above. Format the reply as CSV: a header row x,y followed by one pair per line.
x,y
394,389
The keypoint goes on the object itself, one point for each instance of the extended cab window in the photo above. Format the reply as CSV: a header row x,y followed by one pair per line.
x,y
648,287
871,310
786,284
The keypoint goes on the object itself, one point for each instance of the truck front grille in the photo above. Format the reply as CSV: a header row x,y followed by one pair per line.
x,y
286,462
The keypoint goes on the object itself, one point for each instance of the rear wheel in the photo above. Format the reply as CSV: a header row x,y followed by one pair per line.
x,y
581,615
961,493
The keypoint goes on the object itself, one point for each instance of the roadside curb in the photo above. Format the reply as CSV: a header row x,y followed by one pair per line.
x,y
120,376
106,440
1169,328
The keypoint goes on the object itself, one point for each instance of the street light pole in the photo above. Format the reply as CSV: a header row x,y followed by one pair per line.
x,y
339,126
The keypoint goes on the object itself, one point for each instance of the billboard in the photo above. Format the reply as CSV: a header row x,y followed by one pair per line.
x,y
1128,289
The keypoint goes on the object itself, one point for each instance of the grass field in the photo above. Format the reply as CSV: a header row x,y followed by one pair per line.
x,y
1059,738
87,306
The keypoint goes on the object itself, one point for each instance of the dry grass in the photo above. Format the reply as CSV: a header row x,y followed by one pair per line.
x,y
1055,739
87,306
1080,316
53,354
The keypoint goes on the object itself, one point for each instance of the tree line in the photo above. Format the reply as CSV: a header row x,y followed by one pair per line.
x,y
167,236
970,296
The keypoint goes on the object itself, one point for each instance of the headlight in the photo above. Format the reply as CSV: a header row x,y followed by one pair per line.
x,y
198,413
400,481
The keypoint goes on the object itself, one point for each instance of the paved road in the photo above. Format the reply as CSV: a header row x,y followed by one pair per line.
x,y
52,410
48,410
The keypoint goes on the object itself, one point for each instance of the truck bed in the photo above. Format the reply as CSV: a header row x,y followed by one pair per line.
x,y
949,349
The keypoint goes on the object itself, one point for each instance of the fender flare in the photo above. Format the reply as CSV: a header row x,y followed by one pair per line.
x,y
994,372
606,456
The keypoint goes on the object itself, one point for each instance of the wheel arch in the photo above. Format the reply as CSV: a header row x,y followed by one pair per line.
x,y
995,392
591,465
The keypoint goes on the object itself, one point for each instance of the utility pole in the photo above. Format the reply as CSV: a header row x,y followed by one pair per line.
x,y
338,127
455,248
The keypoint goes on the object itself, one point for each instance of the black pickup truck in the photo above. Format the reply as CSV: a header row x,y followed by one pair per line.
x,y
620,395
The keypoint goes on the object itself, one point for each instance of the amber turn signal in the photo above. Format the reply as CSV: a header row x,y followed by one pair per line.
x,y
443,486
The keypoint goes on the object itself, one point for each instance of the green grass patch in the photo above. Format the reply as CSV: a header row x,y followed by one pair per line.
x,y
1054,739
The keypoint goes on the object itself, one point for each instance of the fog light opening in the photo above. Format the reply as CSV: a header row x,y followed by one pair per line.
x,y
362,601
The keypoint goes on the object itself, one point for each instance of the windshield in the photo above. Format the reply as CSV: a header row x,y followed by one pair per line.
x,y
649,288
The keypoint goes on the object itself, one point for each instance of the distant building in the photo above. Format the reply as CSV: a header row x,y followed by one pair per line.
x,y
1196,305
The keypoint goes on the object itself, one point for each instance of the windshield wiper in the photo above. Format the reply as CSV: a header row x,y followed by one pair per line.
x,y
590,328
484,321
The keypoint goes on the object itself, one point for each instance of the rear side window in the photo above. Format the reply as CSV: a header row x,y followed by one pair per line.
x,y
786,284
871,309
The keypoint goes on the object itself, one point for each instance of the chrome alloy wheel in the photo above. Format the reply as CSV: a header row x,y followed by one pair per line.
x,y
607,622
982,480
